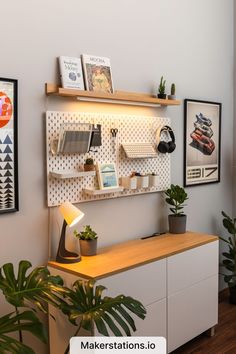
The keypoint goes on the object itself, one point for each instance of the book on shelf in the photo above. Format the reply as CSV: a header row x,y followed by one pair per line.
x,y
71,72
97,73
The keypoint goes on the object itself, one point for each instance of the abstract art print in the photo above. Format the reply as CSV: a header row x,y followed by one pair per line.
x,y
8,146
202,142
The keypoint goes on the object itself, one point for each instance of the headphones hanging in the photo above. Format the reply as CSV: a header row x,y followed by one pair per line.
x,y
165,146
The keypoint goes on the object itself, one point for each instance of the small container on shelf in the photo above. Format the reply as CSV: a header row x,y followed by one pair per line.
x,y
154,180
129,182
142,181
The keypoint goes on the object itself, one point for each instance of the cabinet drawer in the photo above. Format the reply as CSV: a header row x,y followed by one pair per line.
x,y
146,283
192,311
189,267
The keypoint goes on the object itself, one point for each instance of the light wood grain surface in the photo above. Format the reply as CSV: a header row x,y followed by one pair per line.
x,y
127,255
132,97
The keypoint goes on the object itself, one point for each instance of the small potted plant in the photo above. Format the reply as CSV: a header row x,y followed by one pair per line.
x,y
89,164
172,92
175,197
162,89
87,240
229,261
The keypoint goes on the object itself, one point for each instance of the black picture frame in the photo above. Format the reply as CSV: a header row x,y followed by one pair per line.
x,y
202,142
9,198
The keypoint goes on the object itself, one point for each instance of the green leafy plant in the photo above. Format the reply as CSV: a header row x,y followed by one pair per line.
x,y
172,90
175,197
87,234
87,306
162,86
89,161
229,263
84,302
34,290
25,321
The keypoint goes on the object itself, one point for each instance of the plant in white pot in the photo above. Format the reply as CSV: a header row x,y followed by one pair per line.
x,y
229,262
175,197
88,241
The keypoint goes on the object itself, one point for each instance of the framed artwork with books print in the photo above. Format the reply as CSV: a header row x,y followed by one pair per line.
x,y
8,146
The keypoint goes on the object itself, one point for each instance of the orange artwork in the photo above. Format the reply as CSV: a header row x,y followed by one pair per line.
x,y
5,109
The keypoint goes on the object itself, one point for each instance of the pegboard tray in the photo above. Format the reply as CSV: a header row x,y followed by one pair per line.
x,y
131,129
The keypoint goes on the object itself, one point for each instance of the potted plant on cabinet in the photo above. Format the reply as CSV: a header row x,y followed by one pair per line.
x,y
175,197
89,164
87,240
172,92
229,262
162,89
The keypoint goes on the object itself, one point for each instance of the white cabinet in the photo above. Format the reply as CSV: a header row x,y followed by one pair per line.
x,y
146,283
178,285
192,293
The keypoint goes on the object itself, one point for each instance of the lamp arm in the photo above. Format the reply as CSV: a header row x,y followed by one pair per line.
x,y
62,252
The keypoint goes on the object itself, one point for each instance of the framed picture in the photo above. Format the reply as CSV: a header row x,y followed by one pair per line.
x,y
202,135
107,176
97,73
8,146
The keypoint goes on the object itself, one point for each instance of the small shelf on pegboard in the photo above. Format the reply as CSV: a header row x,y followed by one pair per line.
x,y
92,191
63,174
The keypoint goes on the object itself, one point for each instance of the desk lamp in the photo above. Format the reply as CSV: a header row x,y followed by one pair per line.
x,y
71,216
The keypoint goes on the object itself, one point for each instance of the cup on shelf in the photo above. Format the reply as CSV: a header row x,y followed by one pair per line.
x,y
129,182
142,181
154,180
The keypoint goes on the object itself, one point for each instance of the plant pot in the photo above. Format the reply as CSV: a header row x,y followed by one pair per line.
x,y
232,294
89,167
88,247
177,224
162,96
171,97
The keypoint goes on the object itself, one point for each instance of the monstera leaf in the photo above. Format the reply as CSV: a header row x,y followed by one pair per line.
x,y
85,302
37,288
25,321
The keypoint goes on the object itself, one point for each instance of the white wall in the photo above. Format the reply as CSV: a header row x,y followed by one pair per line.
x,y
189,42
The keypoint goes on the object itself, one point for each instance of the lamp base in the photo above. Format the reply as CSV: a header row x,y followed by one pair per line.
x,y
70,259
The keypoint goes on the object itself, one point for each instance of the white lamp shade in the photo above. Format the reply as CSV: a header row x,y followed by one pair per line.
x,y
70,213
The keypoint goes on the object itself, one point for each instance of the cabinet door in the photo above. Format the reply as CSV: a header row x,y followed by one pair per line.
x,y
154,323
192,311
146,283
190,267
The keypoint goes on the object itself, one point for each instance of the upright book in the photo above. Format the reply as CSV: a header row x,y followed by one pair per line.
x,y
97,73
71,72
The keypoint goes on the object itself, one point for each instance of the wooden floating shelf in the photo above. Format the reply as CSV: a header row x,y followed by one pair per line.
x,y
123,97
91,191
63,174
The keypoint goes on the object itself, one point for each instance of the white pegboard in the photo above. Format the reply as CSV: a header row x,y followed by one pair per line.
x,y
130,129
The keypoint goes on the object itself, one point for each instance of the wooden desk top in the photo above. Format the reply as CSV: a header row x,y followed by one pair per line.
x,y
127,255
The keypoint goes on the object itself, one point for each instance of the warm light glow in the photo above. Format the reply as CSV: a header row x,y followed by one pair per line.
x,y
70,213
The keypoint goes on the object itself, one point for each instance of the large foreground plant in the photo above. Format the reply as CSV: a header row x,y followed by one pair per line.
x,y
83,304
25,321
88,309
34,291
